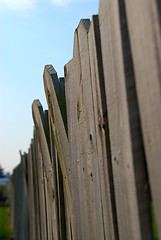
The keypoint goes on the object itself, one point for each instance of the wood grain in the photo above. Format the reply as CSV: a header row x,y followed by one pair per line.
x,y
59,132
128,160
144,21
39,120
100,118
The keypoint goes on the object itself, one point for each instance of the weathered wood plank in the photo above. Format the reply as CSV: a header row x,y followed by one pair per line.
x,y
39,120
59,132
24,200
128,160
88,147
31,195
72,75
100,117
51,217
67,218
41,187
50,227
144,21
20,213
58,185
61,205
67,214
36,193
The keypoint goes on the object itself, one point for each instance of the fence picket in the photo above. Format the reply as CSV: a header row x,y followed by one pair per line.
x,y
100,116
41,186
59,132
39,119
32,233
128,160
86,174
145,37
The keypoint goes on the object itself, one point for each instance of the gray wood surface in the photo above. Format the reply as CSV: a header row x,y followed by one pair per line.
x,y
32,232
92,170
24,194
67,218
128,162
71,81
58,185
39,120
59,132
41,186
100,116
49,214
144,21
20,204
36,193
89,155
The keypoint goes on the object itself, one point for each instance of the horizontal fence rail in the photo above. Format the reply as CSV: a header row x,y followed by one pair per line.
x,y
93,168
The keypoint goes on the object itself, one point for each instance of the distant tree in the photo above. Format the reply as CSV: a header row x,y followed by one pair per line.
x,y
3,194
2,174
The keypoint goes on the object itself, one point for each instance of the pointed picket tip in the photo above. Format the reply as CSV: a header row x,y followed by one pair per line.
x,y
57,116
37,103
53,83
50,69
54,76
85,23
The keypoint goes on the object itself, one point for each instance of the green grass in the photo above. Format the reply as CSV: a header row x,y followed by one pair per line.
x,y
6,231
155,235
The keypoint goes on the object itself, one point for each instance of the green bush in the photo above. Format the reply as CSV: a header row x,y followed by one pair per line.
x,y
3,194
6,231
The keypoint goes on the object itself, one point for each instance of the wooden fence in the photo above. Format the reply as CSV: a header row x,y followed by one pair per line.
x,y
93,169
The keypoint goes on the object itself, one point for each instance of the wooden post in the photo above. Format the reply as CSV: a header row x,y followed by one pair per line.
x,y
144,21
36,191
41,186
39,120
100,117
58,185
59,132
31,195
128,160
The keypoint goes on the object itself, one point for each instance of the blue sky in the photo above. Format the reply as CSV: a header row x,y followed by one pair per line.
x,y
32,33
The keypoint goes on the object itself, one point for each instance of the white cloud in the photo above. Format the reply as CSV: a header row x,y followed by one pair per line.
x,y
17,4
28,4
64,2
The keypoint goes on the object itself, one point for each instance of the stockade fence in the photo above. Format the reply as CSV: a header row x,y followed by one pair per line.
x,y
93,169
